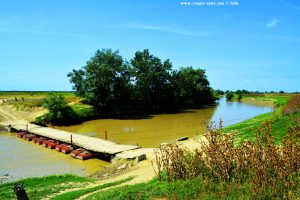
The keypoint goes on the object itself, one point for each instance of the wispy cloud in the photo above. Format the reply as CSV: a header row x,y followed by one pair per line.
x,y
167,29
272,23
44,32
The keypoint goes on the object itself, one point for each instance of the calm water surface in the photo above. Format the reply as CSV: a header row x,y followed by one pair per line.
x,y
20,158
156,129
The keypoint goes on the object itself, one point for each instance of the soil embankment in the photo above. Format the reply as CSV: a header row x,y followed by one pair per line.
x,y
9,114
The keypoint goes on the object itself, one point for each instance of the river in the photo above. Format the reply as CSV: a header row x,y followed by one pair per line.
x,y
21,159
161,128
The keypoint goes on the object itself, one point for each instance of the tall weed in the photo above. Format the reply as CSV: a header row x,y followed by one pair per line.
x,y
271,170
292,106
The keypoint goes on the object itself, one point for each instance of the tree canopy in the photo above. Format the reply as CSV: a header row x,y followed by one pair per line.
x,y
146,83
59,110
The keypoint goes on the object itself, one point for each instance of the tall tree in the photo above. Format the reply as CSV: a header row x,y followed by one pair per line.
x,y
191,87
110,84
152,79
104,81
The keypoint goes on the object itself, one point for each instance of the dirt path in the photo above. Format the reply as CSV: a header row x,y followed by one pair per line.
x,y
9,115
142,171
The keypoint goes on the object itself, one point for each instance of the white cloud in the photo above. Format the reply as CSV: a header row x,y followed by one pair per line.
x,y
167,29
272,23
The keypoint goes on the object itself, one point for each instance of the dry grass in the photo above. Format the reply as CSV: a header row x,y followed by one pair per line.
x,y
272,171
292,106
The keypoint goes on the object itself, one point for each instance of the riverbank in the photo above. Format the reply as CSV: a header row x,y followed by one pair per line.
x,y
143,172
277,126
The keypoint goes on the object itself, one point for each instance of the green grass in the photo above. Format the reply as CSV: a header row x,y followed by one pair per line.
x,y
32,94
244,131
84,111
27,100
37,188
78,193
275,99
280,123
189,189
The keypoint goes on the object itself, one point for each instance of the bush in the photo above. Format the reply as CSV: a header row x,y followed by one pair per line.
x,y
240,96
59,110
229,96
272,171
292,106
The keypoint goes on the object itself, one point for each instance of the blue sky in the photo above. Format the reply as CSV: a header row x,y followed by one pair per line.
x,y
254,45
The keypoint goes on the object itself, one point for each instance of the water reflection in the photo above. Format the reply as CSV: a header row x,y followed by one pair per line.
x,y
234,112
150,132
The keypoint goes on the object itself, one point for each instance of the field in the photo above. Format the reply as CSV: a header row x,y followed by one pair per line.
x,y
28,100
31,103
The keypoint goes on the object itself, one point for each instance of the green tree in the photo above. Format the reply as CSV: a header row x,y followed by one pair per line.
x,y
191,87
240,96
152,80
59,110
220,92
147,83
77,77
240,93
229,95
104,81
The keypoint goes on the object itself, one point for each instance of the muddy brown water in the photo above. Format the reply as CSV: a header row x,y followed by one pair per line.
x,y
162,128
20,158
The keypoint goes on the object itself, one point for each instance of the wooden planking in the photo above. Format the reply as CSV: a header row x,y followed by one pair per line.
x,y
86,142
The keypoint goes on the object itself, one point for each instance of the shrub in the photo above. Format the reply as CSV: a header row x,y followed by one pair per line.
x,y
240,96
272,171
229,96
292,106
59,110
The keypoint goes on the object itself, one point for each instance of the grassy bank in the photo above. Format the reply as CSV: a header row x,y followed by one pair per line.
x,y
246,129
38,188
78,193
187,189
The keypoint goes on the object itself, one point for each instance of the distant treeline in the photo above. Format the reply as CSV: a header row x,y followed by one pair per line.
x,y
145,83
221,92
35,91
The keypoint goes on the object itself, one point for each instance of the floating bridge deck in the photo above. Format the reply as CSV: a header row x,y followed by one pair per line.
x,y
89,143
